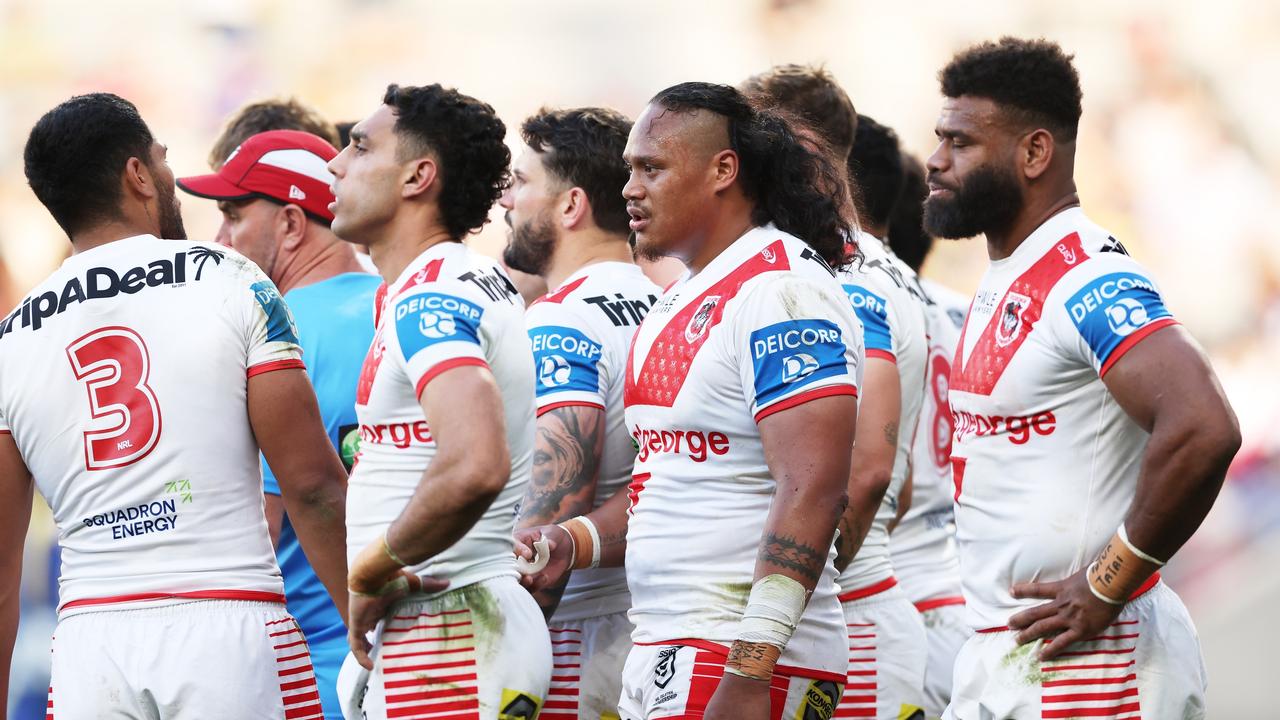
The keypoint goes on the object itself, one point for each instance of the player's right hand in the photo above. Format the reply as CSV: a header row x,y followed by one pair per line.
x,y
560,547
367,609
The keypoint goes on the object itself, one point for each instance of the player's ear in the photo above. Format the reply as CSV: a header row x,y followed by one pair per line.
x,y
138,180
420,178
1035,153
724,167
574,208
292,226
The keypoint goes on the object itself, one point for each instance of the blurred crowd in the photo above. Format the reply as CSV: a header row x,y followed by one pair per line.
x,y
1177,154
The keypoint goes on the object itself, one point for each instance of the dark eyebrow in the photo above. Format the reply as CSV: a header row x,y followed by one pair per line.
x,y
639,159
358,135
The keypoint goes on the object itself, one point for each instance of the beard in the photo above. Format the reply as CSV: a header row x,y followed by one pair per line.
x,y
170,214
989,199
531,245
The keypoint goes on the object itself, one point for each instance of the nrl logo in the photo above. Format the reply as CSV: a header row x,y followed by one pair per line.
x,y
1009,325
1068,254
697,326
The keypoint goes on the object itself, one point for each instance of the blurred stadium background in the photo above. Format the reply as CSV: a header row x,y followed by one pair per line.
x,y
1178,157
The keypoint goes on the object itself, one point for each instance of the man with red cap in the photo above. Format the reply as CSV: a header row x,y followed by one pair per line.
x,y
274,194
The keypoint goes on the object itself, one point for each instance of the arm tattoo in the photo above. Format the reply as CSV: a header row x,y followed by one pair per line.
x,y
891,433
786,552
565,460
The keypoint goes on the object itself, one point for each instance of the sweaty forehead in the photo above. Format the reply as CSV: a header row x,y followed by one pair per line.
x,y
974,115
700,133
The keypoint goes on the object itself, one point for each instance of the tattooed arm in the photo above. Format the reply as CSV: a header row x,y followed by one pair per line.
x,y
873,453
566,459
807,448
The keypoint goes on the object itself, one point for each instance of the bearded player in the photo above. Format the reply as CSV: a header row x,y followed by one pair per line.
x,y
569,226
446,408
741,396
141,379
1091,435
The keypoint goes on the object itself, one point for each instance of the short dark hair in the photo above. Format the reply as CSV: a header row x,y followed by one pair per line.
x,y
1033,78
468,142
259,117
907,237
76,152
793,186
813,95
583,147
876,168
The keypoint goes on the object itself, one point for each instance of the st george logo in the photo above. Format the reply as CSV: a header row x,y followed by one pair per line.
x,y
1010,320
665,670
698,323
554,371
1126,315
436,325
798,366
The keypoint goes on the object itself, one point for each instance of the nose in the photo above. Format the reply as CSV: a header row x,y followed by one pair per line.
x,y
335,165
940,160
505,200
224,235
633,190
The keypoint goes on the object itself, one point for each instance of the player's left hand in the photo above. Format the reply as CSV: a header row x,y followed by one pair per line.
x,y
1071,615
739,698
367,609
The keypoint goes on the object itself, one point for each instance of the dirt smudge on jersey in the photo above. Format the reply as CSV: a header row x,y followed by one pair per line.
x,y
1024,661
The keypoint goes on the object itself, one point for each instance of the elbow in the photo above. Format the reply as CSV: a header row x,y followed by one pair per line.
x,y
869,484
489,472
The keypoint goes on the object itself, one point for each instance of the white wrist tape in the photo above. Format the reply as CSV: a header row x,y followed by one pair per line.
x,y
595,540
1124,538
773,611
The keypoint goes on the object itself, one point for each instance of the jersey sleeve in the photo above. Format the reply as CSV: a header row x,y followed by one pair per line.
x,y
795,340
1113,307
873,311
570,364
272,334
434,329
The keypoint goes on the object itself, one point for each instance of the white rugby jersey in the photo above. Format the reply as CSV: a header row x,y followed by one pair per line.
x,y
1044,461
581,333
923,545
885,296
125,377
764,327
450,307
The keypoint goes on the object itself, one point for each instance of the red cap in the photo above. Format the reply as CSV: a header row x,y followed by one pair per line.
x,y
284,165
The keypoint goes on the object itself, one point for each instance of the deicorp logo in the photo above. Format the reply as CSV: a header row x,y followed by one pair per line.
x,y
565,359
1112,307
428,318
795,353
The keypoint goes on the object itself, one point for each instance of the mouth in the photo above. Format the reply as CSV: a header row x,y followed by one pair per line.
x,y
639,219
936,189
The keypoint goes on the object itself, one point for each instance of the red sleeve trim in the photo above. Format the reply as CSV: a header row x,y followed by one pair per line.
x,y
935,603
802,398
882,355
569,403
1130,342
445,367
273,365
252,595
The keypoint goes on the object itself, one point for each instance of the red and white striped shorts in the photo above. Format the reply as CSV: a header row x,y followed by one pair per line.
x,y
183,661
1146,665
478,651
586,673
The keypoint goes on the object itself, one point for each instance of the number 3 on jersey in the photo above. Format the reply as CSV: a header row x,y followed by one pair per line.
x,y
114,365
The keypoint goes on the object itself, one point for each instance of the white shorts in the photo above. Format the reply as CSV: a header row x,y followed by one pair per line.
x,y
1146,665
887,657
677,681
478,651
945,631
587,659
186,661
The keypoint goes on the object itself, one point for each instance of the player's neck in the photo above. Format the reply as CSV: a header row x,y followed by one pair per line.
x,y
583,249
399,249
100,235
1002,244
732,223
316,261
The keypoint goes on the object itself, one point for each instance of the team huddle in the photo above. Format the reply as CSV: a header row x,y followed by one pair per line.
x,y
333,465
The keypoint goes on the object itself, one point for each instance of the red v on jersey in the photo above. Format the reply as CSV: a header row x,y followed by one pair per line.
x,y
559,295
672,352
1015,317
429,273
